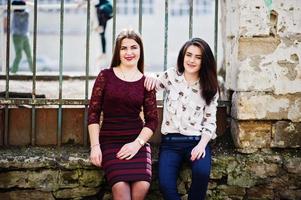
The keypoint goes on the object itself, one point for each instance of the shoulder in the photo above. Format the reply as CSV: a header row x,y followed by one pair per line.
x,y
170,72
104,73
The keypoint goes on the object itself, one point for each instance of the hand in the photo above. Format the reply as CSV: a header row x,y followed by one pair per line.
x,y
198,152
128,151
96,156
150,83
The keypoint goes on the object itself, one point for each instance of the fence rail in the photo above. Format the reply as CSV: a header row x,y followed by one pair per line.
x,y
34,102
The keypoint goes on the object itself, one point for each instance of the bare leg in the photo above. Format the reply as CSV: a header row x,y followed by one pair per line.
x,y
139,190
121,191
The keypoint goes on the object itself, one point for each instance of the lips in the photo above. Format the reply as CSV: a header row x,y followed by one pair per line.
x,y
129,58
192,66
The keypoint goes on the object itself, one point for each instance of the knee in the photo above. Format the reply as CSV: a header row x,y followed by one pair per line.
x,y
120,186
201,172
167,185
141,185
19,54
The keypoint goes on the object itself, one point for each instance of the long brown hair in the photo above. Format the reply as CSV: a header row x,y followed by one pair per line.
x,y
207,73
130,34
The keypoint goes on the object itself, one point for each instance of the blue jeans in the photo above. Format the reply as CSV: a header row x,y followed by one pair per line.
x,y
174,150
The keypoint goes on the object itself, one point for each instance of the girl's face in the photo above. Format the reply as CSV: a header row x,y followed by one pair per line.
x,y
193,60
129,52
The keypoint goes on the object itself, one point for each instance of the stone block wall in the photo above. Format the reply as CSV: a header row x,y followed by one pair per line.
x,y
65,173
262,49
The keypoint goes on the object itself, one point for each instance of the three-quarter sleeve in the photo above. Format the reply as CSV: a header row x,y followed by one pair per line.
x,y
150,110
209,121
96,101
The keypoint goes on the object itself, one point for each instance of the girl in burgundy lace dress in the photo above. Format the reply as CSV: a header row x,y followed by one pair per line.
x,y
120,145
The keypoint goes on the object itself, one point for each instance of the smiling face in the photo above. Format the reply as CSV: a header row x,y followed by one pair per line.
x,y
192,60
129,52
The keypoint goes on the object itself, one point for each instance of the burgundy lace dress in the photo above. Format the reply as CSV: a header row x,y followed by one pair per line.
x,y
121,102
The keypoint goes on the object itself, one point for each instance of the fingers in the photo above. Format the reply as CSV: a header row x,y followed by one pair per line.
x,y
96,160
130,157
128,151
126,156
150,83
204,154
195,155
123,153
147,84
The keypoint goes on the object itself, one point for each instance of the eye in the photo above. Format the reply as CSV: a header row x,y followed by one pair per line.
x,y
122,48
135,47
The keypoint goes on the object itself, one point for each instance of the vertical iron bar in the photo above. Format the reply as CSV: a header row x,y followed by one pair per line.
x,y
60,113
6,121
33,113
140,16
190,18
166,35
85,138
114,24
215,29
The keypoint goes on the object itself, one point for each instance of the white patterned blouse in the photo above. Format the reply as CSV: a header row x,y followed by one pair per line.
x,y
185,111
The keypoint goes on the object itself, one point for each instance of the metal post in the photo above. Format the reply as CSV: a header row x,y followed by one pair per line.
x,y
114,24
215,29
166,35
33,111
60,112
6,117
85,138
140,16
190,18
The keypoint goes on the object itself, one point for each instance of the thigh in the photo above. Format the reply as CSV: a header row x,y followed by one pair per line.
x,y
202,166
26,45
170,160
18,43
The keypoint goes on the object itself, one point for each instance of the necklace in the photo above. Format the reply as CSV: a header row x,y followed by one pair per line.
x,y
130,76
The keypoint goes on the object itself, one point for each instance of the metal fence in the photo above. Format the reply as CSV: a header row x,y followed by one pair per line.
x,y
34,101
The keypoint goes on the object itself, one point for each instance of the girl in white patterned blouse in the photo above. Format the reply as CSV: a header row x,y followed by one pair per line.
x,y
189,118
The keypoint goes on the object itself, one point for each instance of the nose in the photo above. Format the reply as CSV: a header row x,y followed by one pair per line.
x,y
191,59
128,52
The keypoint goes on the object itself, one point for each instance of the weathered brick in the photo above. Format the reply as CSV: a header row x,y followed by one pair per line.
x,y
251,134
286,134
256,46
261,106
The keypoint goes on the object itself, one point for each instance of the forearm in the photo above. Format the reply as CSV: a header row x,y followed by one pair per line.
x,y
204,140
145,134
94,134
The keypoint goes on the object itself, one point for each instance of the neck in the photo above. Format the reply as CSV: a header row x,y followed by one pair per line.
x,y
191,78
128,67
128,73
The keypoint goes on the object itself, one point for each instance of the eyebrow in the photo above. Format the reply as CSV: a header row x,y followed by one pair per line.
x,y
134,45
187,52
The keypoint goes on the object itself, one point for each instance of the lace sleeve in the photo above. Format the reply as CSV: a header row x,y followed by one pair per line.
x,y
96,101
150,110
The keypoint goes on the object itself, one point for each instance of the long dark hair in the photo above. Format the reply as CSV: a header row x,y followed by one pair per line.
x,y
130,34
207,73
